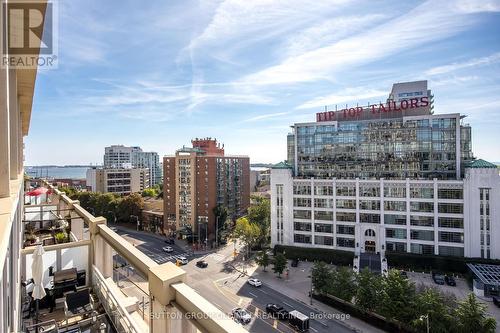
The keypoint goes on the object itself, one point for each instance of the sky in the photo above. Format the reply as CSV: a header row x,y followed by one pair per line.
x,y
157,74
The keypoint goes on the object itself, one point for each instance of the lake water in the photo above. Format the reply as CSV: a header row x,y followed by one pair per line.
x,y
73,172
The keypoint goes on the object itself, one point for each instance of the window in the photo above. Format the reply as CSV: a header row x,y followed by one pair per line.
x,y
346,203
422,192
300,238
323,203
346,217
451,222
301,226
323,240
369,204
369,191
345,242
323,190
370,233
422,221
451,251
451,208
422,249
325,216
302,214
395,247
345,229
394,192
395,233
427,235
321,227
302,189
395,219
301,202
450,193
346,191
451,237
427,207
399,206
369,218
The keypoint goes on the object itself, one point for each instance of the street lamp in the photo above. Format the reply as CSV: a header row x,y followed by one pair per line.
x,y
217,231
427,320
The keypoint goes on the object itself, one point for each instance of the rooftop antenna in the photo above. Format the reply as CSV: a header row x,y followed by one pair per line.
x,y
326,109
335,107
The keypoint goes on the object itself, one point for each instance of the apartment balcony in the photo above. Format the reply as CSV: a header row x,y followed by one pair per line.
x,y
95,281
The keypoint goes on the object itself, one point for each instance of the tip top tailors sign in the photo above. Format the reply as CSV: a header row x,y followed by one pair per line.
x,y
418,106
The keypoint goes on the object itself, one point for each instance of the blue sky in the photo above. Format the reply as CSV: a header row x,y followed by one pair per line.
x,y
159,73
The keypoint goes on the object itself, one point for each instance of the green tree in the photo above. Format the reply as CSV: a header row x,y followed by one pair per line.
x,y
279,264
433,303
263,259
128,206
149,193
221,215
342,284
246,232
369,290
398,297
260,214
471,316
320,276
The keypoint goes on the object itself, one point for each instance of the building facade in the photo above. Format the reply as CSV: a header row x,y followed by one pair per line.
x,y
400,180
118,156
198,179
120,181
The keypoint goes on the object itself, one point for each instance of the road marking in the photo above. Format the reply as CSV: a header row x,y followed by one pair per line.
x,y
252,294
275,324
288,304
217,305
315,330
240,301
256,312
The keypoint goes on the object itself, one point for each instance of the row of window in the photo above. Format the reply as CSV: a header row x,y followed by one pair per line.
x,y
426,235
425,249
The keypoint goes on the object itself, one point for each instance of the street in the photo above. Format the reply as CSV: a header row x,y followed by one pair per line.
x,y
227,288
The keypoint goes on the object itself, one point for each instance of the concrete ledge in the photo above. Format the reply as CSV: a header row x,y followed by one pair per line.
x,y
161,278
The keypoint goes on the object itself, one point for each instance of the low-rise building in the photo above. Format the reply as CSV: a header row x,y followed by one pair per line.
x,y
117,180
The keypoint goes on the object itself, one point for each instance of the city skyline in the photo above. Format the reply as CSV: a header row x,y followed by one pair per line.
x,y
243,72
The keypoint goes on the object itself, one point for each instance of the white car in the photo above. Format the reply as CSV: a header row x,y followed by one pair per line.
x,y
254,282
168,249
183,260
241,316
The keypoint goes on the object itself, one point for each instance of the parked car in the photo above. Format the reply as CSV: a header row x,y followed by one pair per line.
x,y
168,249
182,260
202,264
241,316
450,280
295,262
403,274
438,278
298,320
254,282
276,311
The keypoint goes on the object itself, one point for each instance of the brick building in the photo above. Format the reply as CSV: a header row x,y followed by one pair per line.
x,y
196,180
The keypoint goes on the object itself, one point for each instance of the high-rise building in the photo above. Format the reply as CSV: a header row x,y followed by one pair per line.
x,y
391,176
119,156
117,180
196,180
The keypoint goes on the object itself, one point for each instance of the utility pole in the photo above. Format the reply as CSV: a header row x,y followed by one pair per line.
x,y
217,232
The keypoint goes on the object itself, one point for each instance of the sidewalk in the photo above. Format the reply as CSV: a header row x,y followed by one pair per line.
x,y
297,286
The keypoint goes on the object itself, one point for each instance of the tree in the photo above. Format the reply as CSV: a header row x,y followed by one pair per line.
x,y
398,297
471,316
150,193
128,206
436,305
260,214
369,290
279,264
263,259
342,284
221,215
320,276
246,232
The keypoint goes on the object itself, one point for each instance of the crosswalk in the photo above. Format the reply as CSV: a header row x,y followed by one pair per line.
x,y
162,257
217,257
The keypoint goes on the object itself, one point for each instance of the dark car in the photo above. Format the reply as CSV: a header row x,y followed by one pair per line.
x,y
276,311
438,278
295,262
403,274
450,280
496,301
202,264
170,241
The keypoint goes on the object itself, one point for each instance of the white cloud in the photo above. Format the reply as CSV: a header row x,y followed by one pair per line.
x,y
493,58
346,95
424,24
266,116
